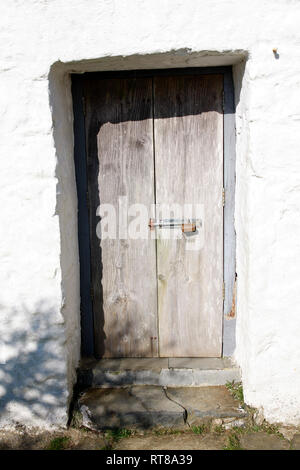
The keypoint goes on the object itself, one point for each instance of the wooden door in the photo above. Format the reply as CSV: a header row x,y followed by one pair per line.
x,y
119,129
156,139
188,130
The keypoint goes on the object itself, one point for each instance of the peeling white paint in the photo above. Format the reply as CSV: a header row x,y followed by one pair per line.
x,y
39,276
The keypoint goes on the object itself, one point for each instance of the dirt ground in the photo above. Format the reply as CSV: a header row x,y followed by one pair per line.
x,y
203,437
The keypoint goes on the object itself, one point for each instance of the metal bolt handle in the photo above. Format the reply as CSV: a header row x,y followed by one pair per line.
x,y
187,225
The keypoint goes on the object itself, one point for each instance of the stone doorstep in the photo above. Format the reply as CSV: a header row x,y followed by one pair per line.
x,y
148,407
158,363
133,407
169,372
206,402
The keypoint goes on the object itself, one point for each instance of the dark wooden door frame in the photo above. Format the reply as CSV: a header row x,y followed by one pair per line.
x,y
87,326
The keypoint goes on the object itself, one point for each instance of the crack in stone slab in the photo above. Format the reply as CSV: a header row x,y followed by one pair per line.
x,y
185,413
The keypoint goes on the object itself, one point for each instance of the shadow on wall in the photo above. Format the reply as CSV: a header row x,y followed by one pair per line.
x,y
33,388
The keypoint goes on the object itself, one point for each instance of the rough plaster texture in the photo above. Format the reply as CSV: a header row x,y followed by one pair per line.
x,y
41,42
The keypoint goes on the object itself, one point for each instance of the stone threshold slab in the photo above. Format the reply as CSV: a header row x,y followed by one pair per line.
x,y
129,407
169,372
151,406
145,363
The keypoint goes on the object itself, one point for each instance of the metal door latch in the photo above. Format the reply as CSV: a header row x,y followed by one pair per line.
x,y
186,225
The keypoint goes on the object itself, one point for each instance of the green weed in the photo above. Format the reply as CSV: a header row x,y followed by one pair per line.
x,y
58,443
236,389
233,443
201,429
117,434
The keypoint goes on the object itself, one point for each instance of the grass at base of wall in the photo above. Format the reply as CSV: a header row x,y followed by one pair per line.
x,y
59,443
236,390
233,442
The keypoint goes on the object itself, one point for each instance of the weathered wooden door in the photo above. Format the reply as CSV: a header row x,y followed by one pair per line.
x,y
156,140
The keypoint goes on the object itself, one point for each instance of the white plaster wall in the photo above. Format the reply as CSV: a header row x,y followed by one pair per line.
x,y
39,274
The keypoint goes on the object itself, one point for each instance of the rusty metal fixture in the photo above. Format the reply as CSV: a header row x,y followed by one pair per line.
x,y
188,228
186,225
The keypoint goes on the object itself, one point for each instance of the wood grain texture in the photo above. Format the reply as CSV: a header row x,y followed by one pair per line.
x,y
120,163
188,130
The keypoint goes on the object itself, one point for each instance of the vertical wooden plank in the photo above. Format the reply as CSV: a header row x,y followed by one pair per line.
x,y
120,164
189,169
87,324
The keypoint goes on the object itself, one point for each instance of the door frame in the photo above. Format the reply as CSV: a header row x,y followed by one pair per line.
x,y
229,238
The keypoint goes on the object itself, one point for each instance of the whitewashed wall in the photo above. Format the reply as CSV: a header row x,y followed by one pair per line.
x,y
40,43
